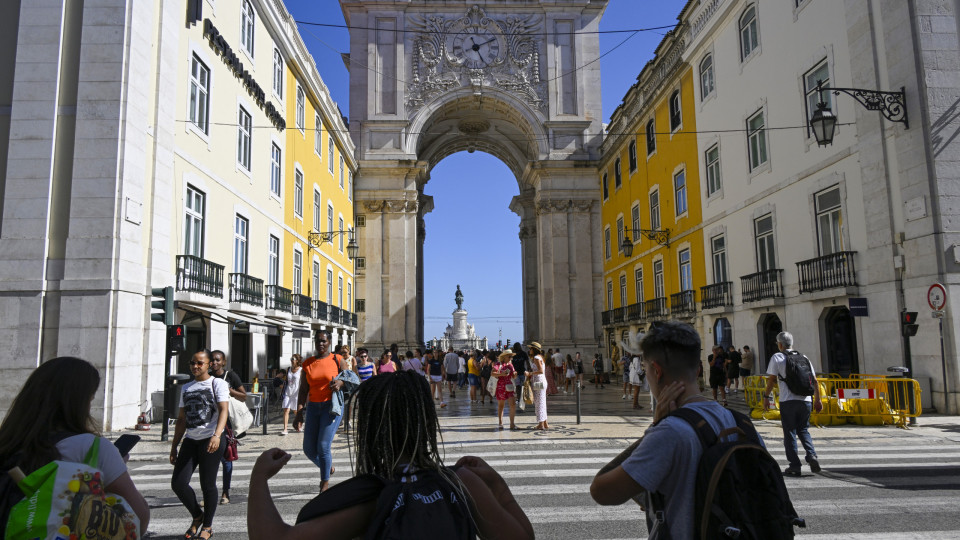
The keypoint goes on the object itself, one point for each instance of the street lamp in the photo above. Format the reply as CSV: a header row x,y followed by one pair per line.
x,y
660,236
317,239
892,105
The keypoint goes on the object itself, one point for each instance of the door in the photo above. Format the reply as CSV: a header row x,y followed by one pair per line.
x,y
770,325
273,355
840,334
240,355
722,333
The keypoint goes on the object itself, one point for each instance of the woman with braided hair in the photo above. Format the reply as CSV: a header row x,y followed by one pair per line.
x,y
396,453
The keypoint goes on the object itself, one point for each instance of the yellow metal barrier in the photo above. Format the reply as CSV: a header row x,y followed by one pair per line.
x,y
864,399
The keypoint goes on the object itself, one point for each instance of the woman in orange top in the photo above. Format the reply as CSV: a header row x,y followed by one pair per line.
x,y
316,391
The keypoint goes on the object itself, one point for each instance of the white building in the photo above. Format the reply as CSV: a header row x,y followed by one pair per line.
x,y
794,231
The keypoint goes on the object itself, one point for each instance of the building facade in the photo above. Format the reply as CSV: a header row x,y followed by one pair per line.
x,y
651,199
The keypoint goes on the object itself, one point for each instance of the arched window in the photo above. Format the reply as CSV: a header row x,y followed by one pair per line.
x,y
749,35
706,76
301,106
651,137
277,73
675,116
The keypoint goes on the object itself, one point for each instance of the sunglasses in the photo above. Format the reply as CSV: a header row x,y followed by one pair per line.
x,y
196,363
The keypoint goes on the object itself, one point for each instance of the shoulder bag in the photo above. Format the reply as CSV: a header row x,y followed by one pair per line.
x,y
240,416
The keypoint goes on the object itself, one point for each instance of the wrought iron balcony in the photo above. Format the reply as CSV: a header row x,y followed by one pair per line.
x,y
301,305
683,302
766,284
335,313
353,320
827,272
618,315
279,298
200,276
657,307
320,310
246,289
636,312
717,295
606,317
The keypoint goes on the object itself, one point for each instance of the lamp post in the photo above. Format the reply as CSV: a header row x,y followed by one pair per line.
x,y
660,236
892,105
317,239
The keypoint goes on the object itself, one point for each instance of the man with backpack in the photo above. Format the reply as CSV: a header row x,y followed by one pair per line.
x,y
677,462
798,388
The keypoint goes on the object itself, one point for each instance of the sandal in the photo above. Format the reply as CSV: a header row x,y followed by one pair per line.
x,y
724,403
193,530
208,530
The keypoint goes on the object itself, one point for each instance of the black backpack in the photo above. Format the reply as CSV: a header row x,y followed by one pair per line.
x,y
739,487
800,379
422,505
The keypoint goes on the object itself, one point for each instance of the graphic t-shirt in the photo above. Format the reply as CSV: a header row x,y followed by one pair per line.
x,y
199,400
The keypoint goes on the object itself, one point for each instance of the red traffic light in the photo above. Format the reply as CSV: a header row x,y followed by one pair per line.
x,y
908,317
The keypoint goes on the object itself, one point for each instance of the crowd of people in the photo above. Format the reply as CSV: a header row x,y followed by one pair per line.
x,y
50,419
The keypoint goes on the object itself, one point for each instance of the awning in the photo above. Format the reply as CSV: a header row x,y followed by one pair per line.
x,y
251,323
297,331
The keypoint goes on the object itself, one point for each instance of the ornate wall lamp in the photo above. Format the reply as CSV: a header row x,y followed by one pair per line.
x,y
892,105
660,236
317,239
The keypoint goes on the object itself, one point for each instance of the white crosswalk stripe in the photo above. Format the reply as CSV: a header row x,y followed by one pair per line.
x,y
863,492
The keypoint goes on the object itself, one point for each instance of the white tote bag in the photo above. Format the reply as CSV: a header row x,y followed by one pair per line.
x,y
240,416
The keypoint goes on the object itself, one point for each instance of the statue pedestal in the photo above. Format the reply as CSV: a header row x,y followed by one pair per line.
x,y
459,324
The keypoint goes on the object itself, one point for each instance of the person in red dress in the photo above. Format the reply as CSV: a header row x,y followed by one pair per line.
x,y
504,372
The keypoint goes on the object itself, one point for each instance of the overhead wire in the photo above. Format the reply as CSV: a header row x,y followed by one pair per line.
x,y
444,32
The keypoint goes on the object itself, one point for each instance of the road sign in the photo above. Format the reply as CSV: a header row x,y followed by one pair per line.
x,y
938,313
937,297
856,393
858,307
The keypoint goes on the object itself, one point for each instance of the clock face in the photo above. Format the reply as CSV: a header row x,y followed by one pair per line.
x,y
476,47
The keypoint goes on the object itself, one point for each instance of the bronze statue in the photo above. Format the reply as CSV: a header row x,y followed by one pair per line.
x,y
459,298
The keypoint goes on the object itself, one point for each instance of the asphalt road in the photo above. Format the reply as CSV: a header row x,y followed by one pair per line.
x,y
877,482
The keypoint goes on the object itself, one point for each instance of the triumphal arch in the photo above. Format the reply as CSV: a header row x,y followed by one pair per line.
x,y
518,79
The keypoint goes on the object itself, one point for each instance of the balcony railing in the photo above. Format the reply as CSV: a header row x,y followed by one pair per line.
x,y
606,317
335,313
246,290
657,307
279,298
683,302
766,284
301,306
199,275
636,312
320,310
827,272
717,295
353,320
618,314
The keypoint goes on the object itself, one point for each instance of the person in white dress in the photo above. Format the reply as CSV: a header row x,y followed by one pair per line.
x,y
291,389
538,380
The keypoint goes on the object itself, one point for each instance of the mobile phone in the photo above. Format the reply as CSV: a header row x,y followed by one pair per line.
x,y
126,443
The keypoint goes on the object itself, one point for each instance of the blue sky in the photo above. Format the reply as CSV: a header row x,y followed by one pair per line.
x,y
471,234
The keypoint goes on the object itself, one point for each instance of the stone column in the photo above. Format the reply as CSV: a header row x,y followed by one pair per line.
x,y
522,205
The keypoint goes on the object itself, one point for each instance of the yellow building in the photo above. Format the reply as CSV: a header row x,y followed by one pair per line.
x,y
317,194
649,178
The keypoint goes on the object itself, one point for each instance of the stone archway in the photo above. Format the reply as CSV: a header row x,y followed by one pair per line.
x,y
518,82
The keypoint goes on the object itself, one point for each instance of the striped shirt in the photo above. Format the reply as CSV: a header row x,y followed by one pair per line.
x,y
365,372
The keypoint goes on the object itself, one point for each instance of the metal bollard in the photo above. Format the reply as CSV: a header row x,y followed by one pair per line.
x,y
265,407
578,402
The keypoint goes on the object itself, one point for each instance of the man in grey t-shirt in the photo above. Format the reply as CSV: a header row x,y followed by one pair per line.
x,y
451,363
665,460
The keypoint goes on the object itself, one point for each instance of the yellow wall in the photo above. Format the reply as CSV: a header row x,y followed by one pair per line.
x,y
672,151
301,154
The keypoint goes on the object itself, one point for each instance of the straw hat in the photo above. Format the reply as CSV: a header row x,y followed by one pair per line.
x,y
536,345
506,355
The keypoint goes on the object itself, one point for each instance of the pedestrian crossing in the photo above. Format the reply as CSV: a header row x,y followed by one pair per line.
x,y
906,489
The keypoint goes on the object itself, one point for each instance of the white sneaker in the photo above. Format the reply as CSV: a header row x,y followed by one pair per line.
x,y
564,390
283,433
623,396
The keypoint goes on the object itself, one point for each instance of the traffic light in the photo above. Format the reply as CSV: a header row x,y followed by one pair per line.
x,y
908,323
165,305
508,343
176,338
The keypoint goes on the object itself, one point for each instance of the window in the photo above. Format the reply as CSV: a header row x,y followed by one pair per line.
x,y
718,246
711,160
340,291
241,231
766,254
638,284
330,152
635,221
619,233
275,164
298,193
273,262
617,174
707,83
277,73
193,222
297,271
317,216
200,95
757,140
680,192
329,217
749,38
349,185
623,291
340,237
819,73
316,280
609,295
686,275
247,21
317,139
244,133
606,189
606,243
651,137
329,286
341,172
675,115
658,290
655,210
829,221
298,346
349,304
633,156
301,108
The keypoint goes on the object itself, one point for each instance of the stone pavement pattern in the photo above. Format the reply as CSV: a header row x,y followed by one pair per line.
x,y
877,482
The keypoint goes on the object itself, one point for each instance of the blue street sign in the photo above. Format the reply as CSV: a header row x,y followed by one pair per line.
x,y
858,307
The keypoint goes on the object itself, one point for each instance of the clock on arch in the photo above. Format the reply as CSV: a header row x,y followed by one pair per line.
x,y
477,47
